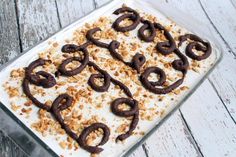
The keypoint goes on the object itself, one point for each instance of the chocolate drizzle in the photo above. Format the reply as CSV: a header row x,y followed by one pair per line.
x,y
87,131
198,44
165,47
137,61
151,86
26,90
179,64
71,48
102,74
58,105
90,37
122,86
147,25
134,111
132,15
47,81
62,68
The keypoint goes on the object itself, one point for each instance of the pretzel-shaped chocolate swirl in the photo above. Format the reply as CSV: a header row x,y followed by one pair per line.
x,y
134,111
47,82
57,108
147,26
96,42
137,61
168,46
179,64
102,74
132,15
95,126
198,44
62,68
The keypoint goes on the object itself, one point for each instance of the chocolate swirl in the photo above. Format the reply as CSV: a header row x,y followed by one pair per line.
x,y
96,42
147,25
151,86
132,15
102,74
62,68
134,111
90,129
71,48
179,64
59,105
47,81
26,90
198,44
165,47
137,62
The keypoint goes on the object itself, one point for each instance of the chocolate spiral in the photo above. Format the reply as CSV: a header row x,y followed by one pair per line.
x,y
137,62
102,74
132,15
151,86
47,81
181,64
96,42
198,44
165,47
95,126
134,111
71,48
26,90
62,68
147,25
112,49
61,103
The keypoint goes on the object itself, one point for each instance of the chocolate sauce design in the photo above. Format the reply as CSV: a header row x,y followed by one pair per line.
x,y
47,81
62,68
180,65
165,47
58,106
134,111
131,14
26,90
137,61
147,26
61,103
95,126
90,37
64,101
197,44
102,75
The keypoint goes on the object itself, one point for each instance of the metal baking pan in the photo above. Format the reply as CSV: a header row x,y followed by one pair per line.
x,y
31,143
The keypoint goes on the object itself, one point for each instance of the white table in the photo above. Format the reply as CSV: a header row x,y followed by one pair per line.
x,y
204,126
